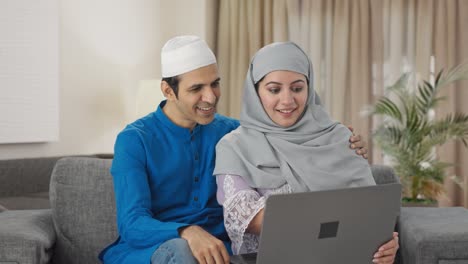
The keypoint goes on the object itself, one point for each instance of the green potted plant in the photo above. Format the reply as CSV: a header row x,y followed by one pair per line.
x,y
409,132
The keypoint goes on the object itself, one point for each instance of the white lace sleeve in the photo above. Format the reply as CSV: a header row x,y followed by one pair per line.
x,y
241,203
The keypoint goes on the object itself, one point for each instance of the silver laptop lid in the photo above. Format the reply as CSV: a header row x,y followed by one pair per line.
x,y
334,226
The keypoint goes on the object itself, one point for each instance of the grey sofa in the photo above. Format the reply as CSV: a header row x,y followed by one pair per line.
x,y
81,222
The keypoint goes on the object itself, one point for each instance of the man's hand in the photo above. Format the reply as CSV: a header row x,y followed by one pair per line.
x,y
386,253
205,247
357,144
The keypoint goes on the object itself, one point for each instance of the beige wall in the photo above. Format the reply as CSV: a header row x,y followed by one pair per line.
x,y
106,48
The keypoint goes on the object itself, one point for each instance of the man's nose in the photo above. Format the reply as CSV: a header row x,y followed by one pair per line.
x,y
208,95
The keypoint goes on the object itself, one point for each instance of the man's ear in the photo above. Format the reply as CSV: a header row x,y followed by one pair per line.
x,y
167,91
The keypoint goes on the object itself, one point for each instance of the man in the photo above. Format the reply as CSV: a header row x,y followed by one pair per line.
x,y
163,164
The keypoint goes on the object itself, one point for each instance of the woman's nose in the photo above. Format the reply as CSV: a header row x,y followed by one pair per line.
x,y
287,98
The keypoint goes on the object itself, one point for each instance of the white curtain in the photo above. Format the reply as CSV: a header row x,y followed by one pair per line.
x,y
357,48
244,27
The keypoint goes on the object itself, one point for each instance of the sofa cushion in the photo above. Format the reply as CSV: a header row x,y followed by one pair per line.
x,y
27,236
83,209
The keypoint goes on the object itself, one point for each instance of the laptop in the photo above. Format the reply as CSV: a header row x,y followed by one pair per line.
x,y
327,227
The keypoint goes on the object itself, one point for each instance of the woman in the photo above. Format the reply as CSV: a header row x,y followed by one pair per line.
x,y
286,143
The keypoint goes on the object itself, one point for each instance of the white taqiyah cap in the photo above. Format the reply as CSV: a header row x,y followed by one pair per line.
x,y
183,54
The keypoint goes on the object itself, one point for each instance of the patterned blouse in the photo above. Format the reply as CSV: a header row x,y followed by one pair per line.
x,y
241,203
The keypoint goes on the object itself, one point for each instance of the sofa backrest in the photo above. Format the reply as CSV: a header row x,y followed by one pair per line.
x,y
83,209
384,174
23,176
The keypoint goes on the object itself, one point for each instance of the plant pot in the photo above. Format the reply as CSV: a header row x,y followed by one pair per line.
x,y
407,202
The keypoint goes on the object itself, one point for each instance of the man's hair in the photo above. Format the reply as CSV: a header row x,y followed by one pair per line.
x,y
173,82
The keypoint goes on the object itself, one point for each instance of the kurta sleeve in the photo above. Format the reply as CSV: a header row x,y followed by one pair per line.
x,y
240,203
135,220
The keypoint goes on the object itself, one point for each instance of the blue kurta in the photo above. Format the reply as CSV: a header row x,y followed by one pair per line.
x,y
163,180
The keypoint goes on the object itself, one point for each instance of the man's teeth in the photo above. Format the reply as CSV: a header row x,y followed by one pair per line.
x,y
285,111
205,108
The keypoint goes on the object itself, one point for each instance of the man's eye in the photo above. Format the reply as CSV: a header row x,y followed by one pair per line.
x,y
215,85
195,89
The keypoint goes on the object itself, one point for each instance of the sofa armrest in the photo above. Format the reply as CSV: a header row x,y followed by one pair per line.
x,y
434,235
83,209
26,236
384,174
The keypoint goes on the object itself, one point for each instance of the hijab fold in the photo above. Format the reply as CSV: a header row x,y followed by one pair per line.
x,y
313,154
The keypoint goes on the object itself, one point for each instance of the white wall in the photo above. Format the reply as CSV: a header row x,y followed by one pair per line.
x,y
106,48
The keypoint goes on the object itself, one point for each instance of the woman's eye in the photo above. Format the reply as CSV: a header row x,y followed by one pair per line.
x,y
297,89
274,90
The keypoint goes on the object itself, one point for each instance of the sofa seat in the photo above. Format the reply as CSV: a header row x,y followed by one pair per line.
x,y
27,236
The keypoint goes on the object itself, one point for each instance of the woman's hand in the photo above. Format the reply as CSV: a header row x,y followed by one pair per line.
x,y
357,144
387,252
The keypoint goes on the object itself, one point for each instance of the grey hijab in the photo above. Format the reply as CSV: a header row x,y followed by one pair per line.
x,y
313,154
